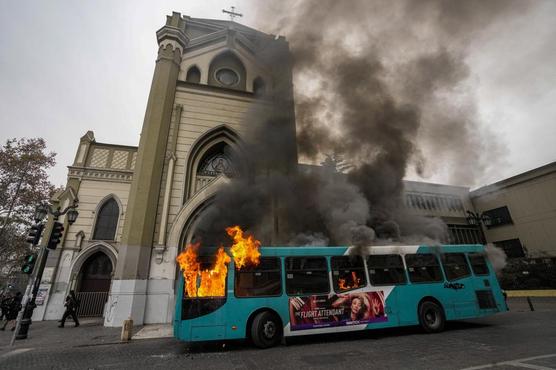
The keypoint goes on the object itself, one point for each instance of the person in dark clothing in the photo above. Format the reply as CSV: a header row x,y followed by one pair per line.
x,y
72,304
12,306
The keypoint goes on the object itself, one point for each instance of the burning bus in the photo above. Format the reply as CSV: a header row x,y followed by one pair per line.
x,y
268,293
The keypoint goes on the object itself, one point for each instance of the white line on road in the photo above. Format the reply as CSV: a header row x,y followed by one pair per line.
x,y
15,352
517,362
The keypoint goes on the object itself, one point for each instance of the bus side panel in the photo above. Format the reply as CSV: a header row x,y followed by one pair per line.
x,y
239,310
410,295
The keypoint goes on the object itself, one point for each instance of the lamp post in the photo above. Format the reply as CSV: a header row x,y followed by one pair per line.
x,y
478,219
42,210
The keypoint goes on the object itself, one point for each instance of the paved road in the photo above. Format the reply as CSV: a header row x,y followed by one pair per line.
x,y
511,340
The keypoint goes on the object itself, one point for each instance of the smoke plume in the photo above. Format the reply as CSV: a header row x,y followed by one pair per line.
x,y
381,88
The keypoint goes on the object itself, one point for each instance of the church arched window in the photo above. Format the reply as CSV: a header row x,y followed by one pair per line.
x,y
107,221
193,75
216,161
259,87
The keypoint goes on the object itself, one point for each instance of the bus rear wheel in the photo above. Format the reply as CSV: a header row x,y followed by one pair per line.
x,y
431,317
266,330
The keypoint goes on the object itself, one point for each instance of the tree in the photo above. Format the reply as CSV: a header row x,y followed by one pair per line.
x,y
23,185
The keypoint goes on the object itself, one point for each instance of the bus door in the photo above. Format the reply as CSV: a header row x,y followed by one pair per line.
x,y
459,286
205,308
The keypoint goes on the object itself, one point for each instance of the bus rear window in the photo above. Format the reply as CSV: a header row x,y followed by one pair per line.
x,y
423,268
386,269
478,264
259,281
348,272
306,275
455,266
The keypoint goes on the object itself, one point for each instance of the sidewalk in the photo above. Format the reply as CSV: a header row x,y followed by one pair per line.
x,y
47,334
520,304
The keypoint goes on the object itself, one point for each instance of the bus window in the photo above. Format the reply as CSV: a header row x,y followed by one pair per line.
x,y
261,280
423,268
306,275
455,266
478,264
348,272
386,269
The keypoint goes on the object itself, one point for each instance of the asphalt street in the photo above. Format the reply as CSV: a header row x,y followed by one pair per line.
x,y
512,340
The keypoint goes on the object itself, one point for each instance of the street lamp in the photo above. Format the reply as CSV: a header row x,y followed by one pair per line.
x,y
476,219
42,210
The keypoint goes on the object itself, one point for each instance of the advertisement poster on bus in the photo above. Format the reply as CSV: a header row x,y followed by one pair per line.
x,y
321,311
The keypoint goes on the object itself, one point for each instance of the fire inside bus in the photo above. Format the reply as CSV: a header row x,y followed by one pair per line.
x,y
268,293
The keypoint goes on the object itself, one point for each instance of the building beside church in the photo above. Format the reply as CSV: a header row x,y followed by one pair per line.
x,y
139,205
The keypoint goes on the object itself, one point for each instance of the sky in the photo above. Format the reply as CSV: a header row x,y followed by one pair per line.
x,y
67,67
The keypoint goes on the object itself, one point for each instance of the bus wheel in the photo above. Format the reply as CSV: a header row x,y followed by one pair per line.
x,y
266,330
431,317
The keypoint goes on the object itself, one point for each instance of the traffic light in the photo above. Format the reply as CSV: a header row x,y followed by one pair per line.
x,y
55,235
35,234
29,263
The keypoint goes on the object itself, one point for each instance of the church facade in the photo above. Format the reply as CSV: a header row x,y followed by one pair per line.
x,y
139,206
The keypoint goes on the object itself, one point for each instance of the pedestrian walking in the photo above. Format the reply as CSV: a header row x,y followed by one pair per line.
x,y
72,304
12,306
4,298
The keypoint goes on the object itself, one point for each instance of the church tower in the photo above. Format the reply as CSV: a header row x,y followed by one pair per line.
x,y
209,76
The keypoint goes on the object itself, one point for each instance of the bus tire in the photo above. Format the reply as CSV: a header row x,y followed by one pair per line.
x,y
431,317
266,330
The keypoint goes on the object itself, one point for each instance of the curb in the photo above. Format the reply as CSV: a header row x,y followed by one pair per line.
x,y
531,293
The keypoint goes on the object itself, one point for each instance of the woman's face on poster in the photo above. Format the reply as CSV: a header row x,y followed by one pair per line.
x,y
355,306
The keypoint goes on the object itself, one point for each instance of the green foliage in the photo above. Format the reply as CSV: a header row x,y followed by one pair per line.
x,y
23,185
528,274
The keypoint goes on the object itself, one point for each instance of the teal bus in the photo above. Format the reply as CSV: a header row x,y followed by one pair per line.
x,y
297,291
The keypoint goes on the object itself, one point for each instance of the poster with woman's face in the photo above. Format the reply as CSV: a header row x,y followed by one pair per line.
x,y
320,311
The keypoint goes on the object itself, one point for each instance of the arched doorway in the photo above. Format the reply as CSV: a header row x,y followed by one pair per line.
x,y
93,284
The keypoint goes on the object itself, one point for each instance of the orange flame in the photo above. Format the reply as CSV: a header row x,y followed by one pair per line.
x,y
245,250
190,267
212,282
355,282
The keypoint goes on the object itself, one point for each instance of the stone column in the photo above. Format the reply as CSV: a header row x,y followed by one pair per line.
x,y
129,286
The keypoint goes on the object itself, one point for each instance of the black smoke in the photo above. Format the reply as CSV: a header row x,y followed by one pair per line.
x,y
381,87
